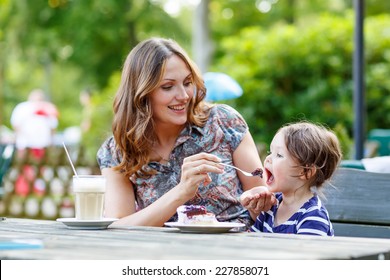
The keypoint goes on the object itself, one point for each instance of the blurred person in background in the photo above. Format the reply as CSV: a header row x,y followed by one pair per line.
x,y
34,122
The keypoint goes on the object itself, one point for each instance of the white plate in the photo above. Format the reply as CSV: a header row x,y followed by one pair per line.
x,y
212,228
87,224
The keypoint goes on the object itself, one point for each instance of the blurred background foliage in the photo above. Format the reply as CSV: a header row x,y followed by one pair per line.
x,y
293,61
301,71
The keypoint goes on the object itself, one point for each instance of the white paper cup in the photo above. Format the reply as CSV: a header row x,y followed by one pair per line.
x,y
89,196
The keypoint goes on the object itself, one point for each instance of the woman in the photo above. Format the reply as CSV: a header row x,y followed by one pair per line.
x,y
167,143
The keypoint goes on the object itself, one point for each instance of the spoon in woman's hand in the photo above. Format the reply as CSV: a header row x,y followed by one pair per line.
x,y
256,172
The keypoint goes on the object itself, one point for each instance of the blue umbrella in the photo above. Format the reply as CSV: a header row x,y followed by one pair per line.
x,y
221,87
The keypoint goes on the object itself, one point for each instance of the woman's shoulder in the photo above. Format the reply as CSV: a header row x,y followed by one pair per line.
x,y
107,155
225,113
224,110
109,143
226,125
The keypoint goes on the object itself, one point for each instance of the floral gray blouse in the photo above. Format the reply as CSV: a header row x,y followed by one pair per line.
x,y
221,135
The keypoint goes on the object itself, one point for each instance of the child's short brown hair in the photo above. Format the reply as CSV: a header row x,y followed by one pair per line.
x,y
313,145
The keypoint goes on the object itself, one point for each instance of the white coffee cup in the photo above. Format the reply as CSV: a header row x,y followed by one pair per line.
x,y
89,196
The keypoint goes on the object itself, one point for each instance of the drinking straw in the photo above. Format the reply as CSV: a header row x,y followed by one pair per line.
x,y
70,160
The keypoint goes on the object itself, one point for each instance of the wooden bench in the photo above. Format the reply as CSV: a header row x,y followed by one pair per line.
x,y
359,203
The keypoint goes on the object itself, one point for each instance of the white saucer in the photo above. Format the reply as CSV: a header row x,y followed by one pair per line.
x,y
212,228
87,224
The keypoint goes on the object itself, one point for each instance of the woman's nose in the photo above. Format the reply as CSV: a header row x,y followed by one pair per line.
x,y
182,93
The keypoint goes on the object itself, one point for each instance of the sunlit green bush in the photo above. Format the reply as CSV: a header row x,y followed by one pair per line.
x,y
294,72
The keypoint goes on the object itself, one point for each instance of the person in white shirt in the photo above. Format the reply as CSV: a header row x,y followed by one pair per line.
x,y
34,122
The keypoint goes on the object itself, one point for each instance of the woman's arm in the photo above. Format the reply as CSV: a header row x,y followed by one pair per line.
x,y
120,199
120,203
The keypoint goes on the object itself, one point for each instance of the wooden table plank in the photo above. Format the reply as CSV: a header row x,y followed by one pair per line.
x,y
62,243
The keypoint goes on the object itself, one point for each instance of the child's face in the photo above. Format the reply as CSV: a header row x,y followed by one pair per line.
x,y
280,167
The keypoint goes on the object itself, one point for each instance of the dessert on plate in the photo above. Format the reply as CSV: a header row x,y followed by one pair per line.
x,y
196,215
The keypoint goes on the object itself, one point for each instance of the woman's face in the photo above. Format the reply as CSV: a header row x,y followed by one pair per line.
x,y
171,99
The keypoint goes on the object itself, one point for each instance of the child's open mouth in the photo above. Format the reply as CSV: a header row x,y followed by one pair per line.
x,y
269,176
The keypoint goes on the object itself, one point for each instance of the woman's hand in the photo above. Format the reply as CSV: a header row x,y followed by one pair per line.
x,y
195,170
257,199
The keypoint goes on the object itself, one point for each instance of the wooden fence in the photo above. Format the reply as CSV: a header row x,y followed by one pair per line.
x,y
38,183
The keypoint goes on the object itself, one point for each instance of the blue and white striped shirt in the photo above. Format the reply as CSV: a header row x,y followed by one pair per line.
x,y
312,219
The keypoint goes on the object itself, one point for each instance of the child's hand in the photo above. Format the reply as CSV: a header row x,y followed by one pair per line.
x,y
257,199
250,197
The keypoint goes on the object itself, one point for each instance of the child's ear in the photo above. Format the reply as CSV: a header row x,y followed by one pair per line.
x,y
308,172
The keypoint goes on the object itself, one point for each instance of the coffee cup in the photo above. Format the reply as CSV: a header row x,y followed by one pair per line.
x,y
89,196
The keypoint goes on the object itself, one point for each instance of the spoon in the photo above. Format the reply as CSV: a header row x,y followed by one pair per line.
x,y
256,172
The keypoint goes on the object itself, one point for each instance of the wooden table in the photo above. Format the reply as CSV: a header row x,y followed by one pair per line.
x,y
149,243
